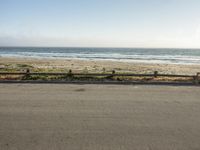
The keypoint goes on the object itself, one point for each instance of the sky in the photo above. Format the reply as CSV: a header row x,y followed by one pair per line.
x,y
100,23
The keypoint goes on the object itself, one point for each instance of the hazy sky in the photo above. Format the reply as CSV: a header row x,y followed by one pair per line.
x,y
100,23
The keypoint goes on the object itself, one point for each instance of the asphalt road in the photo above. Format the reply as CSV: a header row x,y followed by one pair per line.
x,y
99,117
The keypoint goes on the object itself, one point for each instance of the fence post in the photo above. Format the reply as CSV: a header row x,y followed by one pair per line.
x,y
111,76
70,73
155,74
197,78
27,73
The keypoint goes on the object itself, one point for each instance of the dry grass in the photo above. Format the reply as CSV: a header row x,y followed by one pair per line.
x,y
24,67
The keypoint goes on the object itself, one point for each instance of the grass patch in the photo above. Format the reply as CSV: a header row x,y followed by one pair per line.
x,y
23,66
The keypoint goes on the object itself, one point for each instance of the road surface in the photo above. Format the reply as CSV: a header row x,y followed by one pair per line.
x,y
99,117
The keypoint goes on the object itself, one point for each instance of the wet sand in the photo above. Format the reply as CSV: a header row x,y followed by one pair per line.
x,y
99,117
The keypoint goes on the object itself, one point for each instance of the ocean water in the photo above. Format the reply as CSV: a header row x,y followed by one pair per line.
x,y
139,55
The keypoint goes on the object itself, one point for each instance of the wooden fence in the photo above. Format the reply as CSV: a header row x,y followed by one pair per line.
x,y
196,78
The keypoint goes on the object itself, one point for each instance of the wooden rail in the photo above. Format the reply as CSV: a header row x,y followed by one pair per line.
x,y
155,74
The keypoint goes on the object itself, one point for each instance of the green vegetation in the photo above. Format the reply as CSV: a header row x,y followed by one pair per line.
x,y
24,66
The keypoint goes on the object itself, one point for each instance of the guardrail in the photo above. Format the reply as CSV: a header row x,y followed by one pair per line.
x,y
196,78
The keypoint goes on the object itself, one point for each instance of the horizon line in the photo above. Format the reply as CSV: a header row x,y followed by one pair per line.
x,y
97,47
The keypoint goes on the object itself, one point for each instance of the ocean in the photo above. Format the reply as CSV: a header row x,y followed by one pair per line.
x,y
139,55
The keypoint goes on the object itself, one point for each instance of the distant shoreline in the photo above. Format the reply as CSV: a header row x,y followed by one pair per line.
x,y
124,55
92,59
145,62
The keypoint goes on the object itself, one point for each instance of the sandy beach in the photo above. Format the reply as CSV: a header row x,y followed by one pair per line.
x,y
96,66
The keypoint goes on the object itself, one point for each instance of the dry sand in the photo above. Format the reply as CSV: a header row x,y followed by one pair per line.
x,y
99,117
98,66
